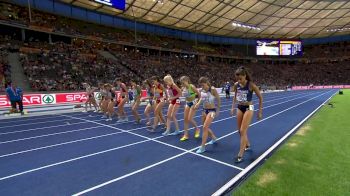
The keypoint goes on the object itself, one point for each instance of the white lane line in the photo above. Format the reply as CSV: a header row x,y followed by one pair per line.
x,y
70,160
266,153
81,157
74,141
221,111
160,142
176,156
47,135
33,129
81,114
60,144
34,123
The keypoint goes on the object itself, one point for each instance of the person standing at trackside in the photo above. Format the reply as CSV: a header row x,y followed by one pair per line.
x,y
243,89
15,96
208,96
227,90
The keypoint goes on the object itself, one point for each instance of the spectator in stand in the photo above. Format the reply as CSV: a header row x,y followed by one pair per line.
x,y
15,96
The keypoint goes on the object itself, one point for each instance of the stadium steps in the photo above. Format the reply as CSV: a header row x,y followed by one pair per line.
x,y
17,72
115,58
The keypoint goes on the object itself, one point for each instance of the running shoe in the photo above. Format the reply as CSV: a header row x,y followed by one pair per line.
x,y
137,122
151,129
109,119
166,133
184,138
177,132
200,150
239,159
197,133
213,141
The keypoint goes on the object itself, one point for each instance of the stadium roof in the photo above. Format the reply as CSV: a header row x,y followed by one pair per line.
x,y
239,18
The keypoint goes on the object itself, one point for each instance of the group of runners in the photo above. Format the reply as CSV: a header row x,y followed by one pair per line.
x,y
160,93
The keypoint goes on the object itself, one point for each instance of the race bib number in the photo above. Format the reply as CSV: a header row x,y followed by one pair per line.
x,y
241,97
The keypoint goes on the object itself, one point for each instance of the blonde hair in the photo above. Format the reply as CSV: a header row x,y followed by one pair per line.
x,y
169,79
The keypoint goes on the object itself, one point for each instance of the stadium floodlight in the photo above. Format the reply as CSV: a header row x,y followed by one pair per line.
x,y
159,1
235,24
338,29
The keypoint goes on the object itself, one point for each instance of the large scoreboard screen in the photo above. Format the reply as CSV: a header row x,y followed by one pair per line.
x,y
278,48
118,4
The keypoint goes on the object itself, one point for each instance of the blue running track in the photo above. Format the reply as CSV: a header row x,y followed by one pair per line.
x,y
80,153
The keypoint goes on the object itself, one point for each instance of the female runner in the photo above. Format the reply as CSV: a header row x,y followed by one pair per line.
x,y
191,93
159,100
210,111
243,90
137,100
173,92
122,99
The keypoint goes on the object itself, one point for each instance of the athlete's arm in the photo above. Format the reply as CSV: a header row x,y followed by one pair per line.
x,y
258,94
196,91
178,90
217,96
126,91
164,90
154,93
138,89
234,97
199,103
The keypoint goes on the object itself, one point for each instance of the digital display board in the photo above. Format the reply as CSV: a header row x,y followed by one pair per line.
x,y
118,4
278,48
290,48
270,48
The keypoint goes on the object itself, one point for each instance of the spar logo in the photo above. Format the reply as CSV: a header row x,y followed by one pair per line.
x,y
48,99
77,97
98,96
4,101
32,99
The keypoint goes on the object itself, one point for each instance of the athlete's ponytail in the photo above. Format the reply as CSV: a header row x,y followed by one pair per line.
x,y
242,71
